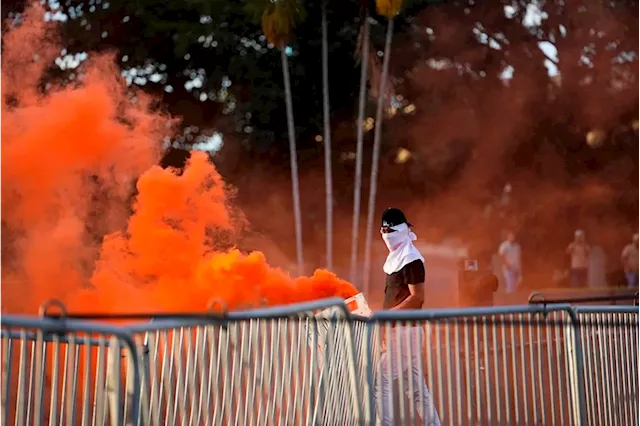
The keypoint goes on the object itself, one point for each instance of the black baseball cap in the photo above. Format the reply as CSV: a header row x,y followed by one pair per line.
x,y
393,217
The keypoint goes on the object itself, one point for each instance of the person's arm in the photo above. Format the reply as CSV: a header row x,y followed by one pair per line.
x,y
414,300
625,257
502,254
569,248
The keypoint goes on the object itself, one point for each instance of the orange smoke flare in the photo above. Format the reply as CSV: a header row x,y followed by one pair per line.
x,y
70,158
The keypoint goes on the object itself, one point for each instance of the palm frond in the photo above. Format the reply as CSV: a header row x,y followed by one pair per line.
x,y
291,11
278,18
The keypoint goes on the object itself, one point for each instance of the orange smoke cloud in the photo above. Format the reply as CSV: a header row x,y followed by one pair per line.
x,y
70,159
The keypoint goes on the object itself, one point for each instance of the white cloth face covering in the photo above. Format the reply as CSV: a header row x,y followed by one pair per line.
x,y
401,248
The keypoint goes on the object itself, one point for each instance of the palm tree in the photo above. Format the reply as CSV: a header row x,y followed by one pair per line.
x,y
389,9
362,101
327,136
278,18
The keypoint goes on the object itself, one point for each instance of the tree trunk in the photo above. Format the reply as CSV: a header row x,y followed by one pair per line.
x,y
295,187
327,137
376,157
357,187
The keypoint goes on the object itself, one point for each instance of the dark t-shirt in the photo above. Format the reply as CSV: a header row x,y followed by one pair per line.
x,y
397,284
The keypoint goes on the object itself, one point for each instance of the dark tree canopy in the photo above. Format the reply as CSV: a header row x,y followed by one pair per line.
x,y
237,73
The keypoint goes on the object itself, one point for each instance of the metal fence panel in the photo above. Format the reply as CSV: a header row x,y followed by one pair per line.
x,y
348,334
343,345
56,372
484,366
610,342
251,368
367,347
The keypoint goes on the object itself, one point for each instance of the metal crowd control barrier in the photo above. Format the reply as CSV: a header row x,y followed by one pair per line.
x,y
529,365
64,372
249,368
259,367
483,366
610,345
347,335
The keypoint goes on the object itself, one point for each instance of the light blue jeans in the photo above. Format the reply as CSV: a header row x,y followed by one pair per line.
x,y
632,279
403,365
511,278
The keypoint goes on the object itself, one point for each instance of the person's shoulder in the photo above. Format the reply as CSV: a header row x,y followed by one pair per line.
x,y
414,268
416,264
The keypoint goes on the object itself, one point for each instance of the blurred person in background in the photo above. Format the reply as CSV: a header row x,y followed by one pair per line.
x,y
630,262
404,289
578,252
509,255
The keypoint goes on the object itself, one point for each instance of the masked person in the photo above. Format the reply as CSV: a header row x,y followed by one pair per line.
x,y
404,289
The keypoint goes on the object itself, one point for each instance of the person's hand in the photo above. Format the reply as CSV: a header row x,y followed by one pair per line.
x,y
383,340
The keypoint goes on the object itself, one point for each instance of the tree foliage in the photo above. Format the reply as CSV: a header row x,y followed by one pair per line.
x,y
220,43
277,19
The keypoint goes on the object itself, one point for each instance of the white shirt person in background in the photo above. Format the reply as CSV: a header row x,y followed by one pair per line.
x,y
510,260
578,250
630,262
